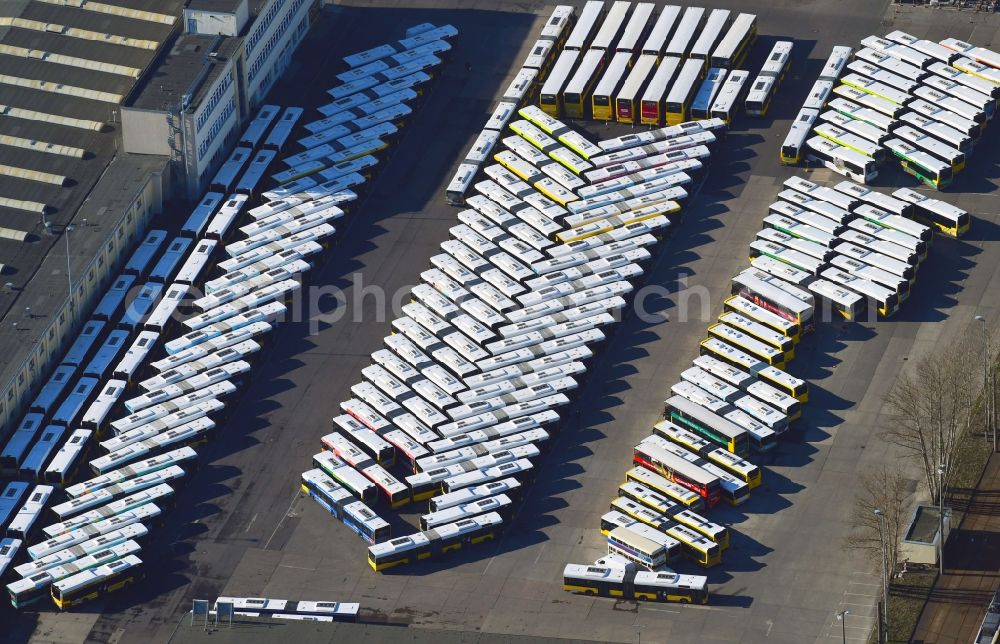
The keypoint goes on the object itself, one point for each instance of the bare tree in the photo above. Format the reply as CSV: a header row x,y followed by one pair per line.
x,y
932,407
886,490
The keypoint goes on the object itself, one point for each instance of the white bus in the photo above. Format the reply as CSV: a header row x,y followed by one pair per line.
x,y
904,70
680,43
926,47
849,163
876,73
968,127
701,106
711,32
818,95
979,54
636,28
612,26
924,141
863,114
965,78
850,141
839,298
657,40
550,97
885,300
984,102
794,144
582,32
628,99
898,51
652,109
962,108
603,98
778,60
727,104
735,45
835,64
877,103
559,24
758,100
866,131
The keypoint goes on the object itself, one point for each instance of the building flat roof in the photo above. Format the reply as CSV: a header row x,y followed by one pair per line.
x,y
46,289
220,6
924,528
183,71
23,260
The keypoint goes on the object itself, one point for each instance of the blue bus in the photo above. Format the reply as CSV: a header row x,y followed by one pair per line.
x,y
101,362
19,442
70,408
138,309
144,254
34,464
83,343
10,500
108,307
171,258
199,217
47,398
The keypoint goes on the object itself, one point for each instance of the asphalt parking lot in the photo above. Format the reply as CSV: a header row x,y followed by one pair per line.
x,y
242,528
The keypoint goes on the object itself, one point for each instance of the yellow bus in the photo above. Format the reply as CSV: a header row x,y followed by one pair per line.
x,y
577,92
601,102
550,98
652,99
682,92
628,98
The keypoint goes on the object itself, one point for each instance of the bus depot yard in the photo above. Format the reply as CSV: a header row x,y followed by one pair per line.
x,y
783,575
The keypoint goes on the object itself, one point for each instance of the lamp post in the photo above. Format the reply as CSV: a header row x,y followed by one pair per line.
x,y
69,274
986,381
941,519
842,618
879,516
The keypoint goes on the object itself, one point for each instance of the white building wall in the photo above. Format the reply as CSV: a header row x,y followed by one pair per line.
x,y
277,31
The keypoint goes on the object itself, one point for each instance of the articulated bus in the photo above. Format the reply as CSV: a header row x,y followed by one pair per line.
x,y
628,98
578,90
707,424
736,44
602,107
653,108
682,92
655,458
795,140
91,584
942,215
683,38
34,587
849,163
550,98
635,584
436,542
930,171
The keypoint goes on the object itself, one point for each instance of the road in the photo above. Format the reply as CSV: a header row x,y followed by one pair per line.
x,y
242,528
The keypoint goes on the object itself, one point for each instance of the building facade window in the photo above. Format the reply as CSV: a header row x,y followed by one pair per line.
x,y
212,102
217,126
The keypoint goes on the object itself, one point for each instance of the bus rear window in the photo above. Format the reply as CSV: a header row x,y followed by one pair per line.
x,y
547,99
573,99
601,101
675,108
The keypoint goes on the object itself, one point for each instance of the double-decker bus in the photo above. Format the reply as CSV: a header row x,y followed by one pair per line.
x,y
654,457
707,424
732,50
